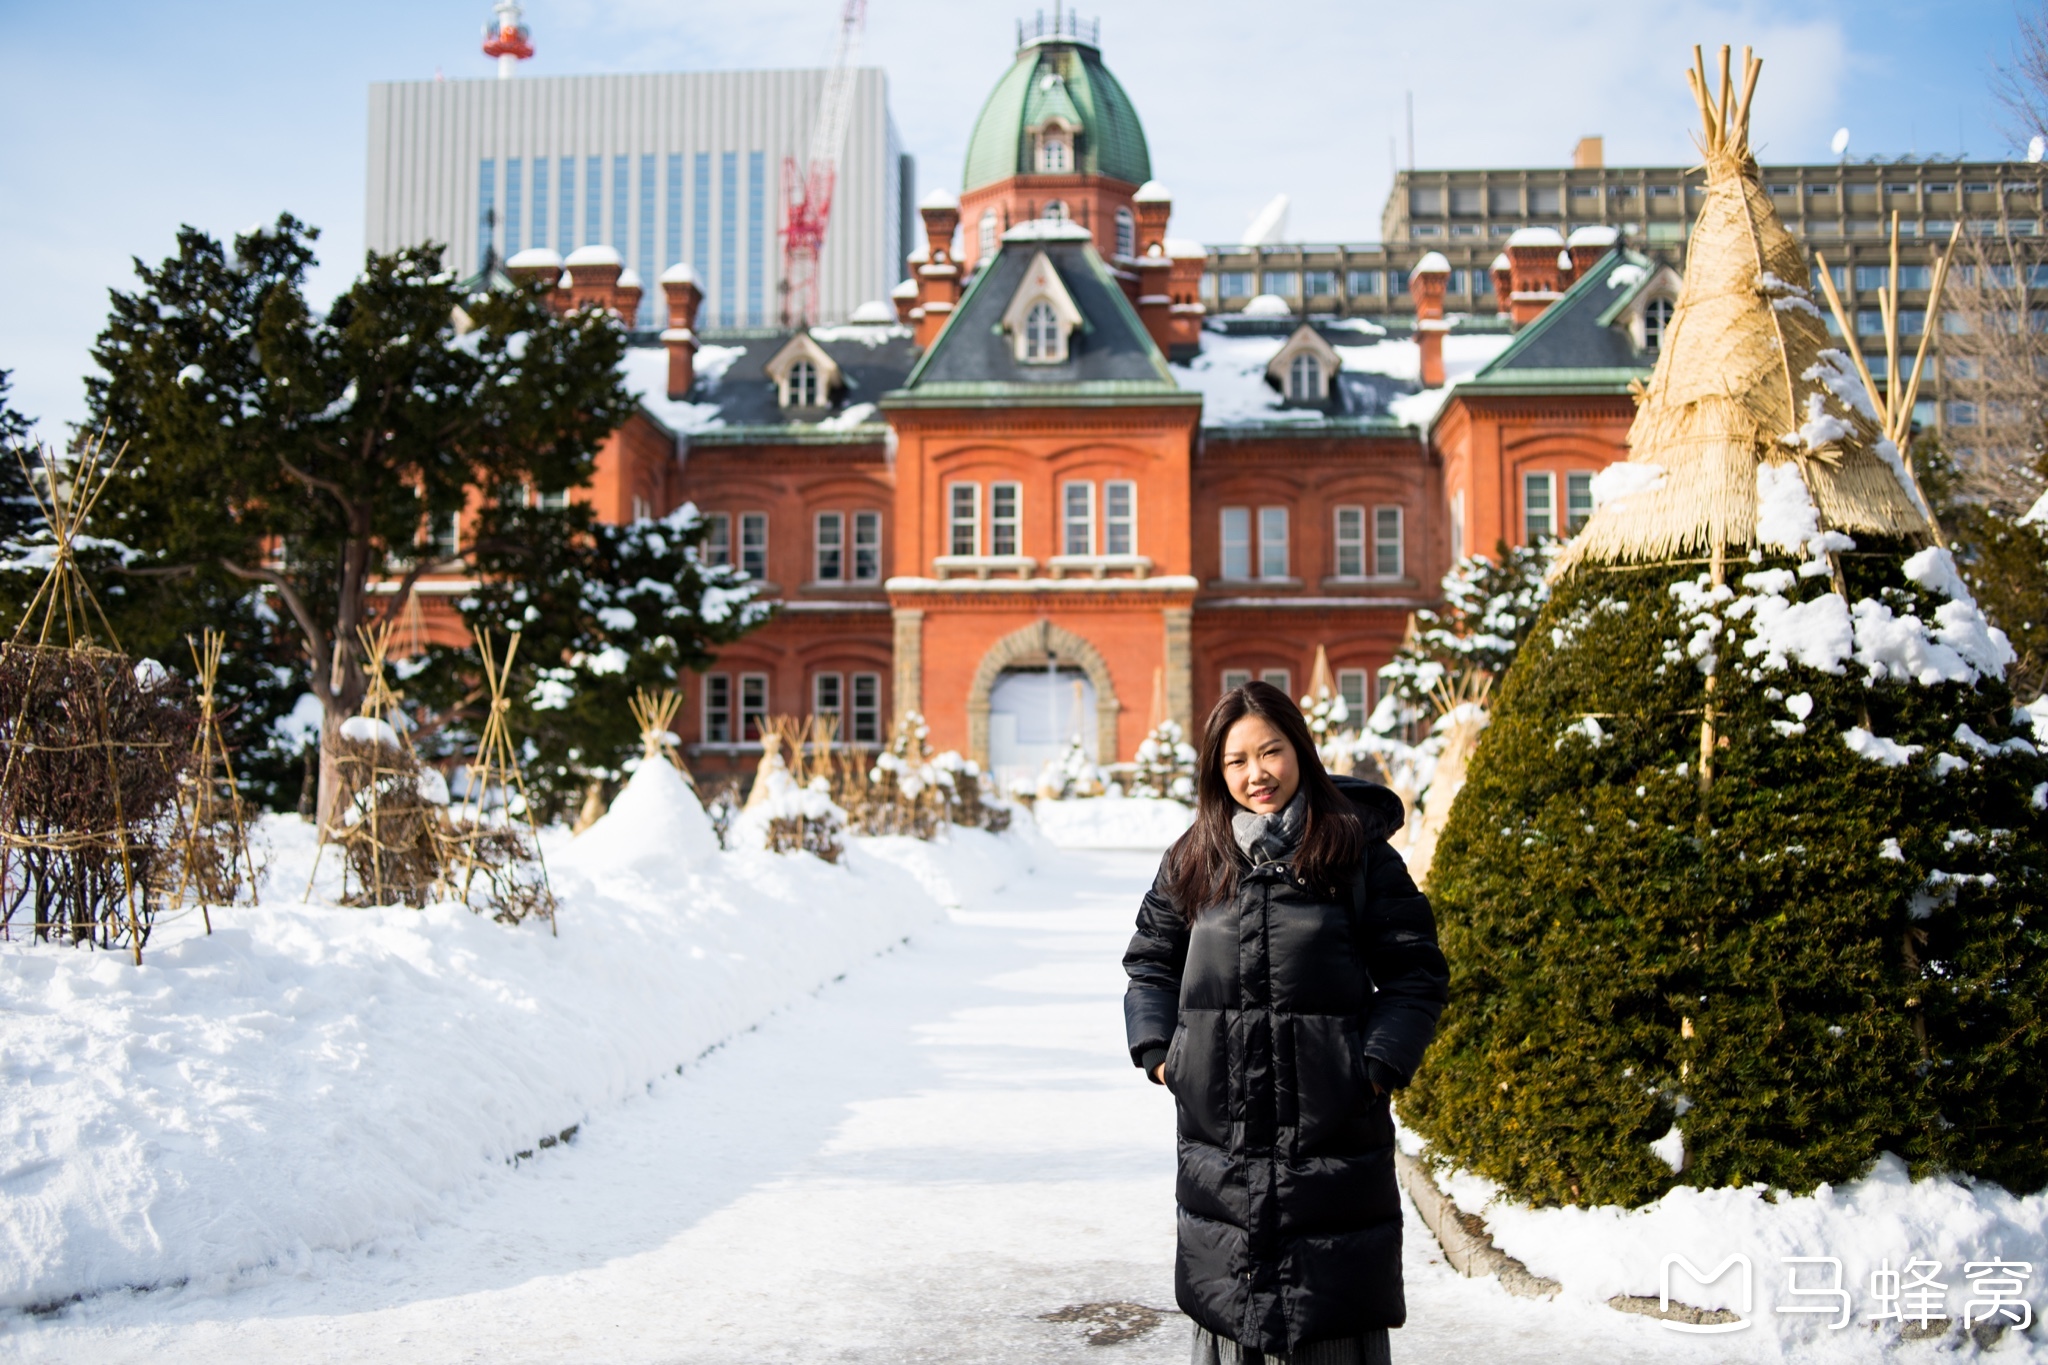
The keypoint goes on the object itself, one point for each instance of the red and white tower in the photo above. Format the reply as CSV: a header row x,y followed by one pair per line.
x,y
509,41
807,190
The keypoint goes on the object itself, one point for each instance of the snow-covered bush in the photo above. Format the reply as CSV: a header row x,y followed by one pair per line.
x,y
1070,775
909,790
1165,764
785,816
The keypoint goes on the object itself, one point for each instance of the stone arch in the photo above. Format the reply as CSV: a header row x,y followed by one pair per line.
x,y
1031,646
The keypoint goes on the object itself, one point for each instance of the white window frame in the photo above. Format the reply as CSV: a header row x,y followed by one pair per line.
x,y
1577,482
1120,528
752,708
1055,153
1282,678
1356,682
1389,542
1005,524
864,708
1043,344
828,696
963,518
802,386
1234,678
828,547
1273,547
552,501
448,538
1236,556
1537,483
718,538
754,545
1348,529
717,707
1305,377
867,547
1084,524
643,510
988,233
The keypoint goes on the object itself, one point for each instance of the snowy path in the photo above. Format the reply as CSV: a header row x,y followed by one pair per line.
x,y
917,1163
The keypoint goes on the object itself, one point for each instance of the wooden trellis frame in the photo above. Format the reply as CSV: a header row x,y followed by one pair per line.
x,y
496,765
211,773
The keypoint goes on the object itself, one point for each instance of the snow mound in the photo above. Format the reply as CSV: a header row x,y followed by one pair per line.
x,y
655,820
1112,821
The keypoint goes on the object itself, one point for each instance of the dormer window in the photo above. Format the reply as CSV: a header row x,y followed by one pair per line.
x,y
1656,316
802,387
1126,233
1042,315
1305,378
988,234
1055,154
1042,340
1055,211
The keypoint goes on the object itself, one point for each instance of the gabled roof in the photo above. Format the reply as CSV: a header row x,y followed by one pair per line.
x,y
1110,356
1062,78
1580,343
734,398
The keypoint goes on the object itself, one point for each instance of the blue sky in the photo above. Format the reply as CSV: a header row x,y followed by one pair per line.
x,y
123,120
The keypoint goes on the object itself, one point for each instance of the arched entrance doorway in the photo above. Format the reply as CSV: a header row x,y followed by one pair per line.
x,y
1051,682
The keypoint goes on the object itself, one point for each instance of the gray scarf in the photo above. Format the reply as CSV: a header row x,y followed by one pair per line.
x,y
1271,838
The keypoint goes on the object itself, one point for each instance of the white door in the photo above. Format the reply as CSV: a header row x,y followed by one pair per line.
x,y
1034,714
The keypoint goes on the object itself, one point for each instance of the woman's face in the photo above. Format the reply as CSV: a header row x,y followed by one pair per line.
x,y
1259,766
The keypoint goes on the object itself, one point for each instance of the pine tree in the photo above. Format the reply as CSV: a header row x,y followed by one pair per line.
x,y
1754,847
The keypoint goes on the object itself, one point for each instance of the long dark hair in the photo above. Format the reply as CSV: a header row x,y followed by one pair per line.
x,y
1205,861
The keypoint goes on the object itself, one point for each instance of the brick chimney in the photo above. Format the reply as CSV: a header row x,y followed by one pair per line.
x,y
938,278
679,285
1427,283
626,297
1153,267
1587,245
1153,204
904,296
536,265
1503,283
1184,284
1535,281
594,277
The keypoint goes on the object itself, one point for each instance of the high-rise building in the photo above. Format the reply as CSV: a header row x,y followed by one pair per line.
x,y
663,168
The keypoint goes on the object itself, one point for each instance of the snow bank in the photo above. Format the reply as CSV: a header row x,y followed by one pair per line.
x,y
313,1077
1112,821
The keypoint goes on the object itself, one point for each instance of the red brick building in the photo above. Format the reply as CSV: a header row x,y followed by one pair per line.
x,y
1042,494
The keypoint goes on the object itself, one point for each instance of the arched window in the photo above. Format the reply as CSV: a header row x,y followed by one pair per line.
x,y
1305,378
1052,153
1126,233
1055,211
1656,314
988,234
803,385
1041,333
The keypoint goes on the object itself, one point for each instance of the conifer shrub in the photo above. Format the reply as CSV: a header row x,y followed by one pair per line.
x,y
1833,947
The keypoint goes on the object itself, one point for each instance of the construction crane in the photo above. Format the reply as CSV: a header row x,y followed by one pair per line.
x,y
508,41
807,190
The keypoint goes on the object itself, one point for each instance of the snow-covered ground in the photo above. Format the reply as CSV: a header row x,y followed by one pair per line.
x,y
929,1153
1112,821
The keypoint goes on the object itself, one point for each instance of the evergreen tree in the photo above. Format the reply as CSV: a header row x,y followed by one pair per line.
x,y
601,610
1489,606
285,460
1744,879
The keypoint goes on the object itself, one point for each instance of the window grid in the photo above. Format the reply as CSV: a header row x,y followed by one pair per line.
x,y
867,546
486,209
1041,333
728,237
718,538
867,709
672,237
1234,678
1305,378
1538,520
1005,527
964,519
1120,517
540,201
700,221
593,200
802,385
1272,542
565,208
1126,233
827,696
1077,502
648,270
1578,501
757,191
753,705
1387,549
1356,692
717,708
1350,542
513,217
622,202
1280,678
1237,542
754,544
831,547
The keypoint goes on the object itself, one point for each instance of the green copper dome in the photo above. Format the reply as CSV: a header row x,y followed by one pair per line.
x,y
1065,77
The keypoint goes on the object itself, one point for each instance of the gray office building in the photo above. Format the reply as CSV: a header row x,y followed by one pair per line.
x,y
661,167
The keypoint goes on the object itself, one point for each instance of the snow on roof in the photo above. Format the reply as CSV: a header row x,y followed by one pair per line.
x,y
534,258
1230,374
1152,192
1624,275
1593,235
906,290
874,310
647,379
1564,260
1268,306
1432,263
868,332
921,254
1186,249
679,273
939,199
1501,262
629,278
593,255
1048,230
1536,236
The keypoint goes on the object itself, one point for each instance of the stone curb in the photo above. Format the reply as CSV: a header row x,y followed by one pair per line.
x,y
1463,1236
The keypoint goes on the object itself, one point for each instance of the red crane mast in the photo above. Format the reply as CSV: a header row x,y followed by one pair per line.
x,y
807,190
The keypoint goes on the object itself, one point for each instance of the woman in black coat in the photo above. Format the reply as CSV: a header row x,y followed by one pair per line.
x,y
1284,977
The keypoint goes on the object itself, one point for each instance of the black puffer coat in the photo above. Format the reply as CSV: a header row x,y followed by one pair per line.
x,y
1271,1007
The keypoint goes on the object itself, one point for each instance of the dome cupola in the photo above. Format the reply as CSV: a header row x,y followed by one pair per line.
x,y
1057,111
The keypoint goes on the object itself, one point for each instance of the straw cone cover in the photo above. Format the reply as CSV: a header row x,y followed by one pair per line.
x,y
1746,377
